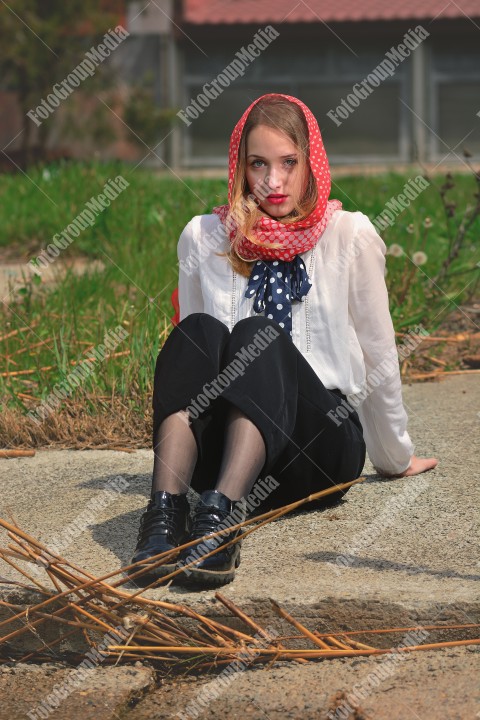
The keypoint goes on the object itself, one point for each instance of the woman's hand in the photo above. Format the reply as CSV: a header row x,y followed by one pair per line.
x,y
417,466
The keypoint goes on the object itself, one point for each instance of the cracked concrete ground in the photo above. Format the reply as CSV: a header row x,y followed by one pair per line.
x,y
411,549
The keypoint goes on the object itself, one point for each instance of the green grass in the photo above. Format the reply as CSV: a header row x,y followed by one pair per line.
x,y
424,226
136,238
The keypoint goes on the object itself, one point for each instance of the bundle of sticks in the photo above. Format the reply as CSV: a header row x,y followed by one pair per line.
x,y
157,631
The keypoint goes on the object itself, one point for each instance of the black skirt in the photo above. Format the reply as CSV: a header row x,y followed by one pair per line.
x,y
257,367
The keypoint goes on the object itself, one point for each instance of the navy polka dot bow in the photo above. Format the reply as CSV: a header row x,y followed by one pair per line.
x,y
277,283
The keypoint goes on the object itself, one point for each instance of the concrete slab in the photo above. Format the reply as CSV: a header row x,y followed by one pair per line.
x,y
429,685
57,692
409,543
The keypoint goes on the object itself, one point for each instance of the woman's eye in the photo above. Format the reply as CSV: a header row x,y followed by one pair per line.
x,y
289,161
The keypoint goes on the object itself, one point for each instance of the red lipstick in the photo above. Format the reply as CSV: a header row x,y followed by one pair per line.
x,y
276,199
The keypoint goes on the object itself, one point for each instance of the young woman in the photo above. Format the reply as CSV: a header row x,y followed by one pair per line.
x,y
283,314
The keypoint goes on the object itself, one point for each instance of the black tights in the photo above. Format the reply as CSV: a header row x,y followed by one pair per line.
x,y
176,454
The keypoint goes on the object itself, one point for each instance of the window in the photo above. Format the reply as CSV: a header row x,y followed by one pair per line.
x,y
455,104
320,74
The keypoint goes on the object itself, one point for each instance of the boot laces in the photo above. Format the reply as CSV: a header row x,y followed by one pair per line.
x,y
160,519
207,519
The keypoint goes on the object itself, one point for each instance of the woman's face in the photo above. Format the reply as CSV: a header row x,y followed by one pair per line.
x,y
274,170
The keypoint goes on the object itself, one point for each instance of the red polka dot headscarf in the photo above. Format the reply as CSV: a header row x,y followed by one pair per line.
x,y
296,237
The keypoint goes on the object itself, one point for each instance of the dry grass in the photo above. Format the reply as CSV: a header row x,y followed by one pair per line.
x,y
114,425
96,421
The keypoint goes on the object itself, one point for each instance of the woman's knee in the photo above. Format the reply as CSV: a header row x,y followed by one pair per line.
x,y
258,325
201,318
257,334
196,332
200,325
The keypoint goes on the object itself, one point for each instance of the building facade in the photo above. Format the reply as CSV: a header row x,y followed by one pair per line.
x,y
378,96
388,84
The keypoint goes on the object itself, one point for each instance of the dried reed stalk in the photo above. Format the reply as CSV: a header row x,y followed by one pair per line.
x,y
158,631
442,373
290,653
262,520
16,453
12,333
247,620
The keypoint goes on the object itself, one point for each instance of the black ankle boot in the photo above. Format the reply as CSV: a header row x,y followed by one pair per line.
x,y
164,525
214,511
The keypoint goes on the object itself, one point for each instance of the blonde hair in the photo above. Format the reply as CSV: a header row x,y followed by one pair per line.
x,y
286,116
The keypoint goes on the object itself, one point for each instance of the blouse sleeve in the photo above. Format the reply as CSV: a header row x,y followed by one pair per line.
x,y
190,297
381,413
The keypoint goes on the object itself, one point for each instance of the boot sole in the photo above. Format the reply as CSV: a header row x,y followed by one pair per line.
x,y
208,578
150,576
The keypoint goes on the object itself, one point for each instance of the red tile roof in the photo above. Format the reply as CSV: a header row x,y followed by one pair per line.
x,y
210,12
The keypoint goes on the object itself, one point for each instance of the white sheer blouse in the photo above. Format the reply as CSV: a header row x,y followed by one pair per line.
x,y
343,328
